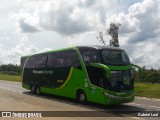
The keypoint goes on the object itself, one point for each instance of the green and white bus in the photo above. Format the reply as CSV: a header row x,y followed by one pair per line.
x,y
99,74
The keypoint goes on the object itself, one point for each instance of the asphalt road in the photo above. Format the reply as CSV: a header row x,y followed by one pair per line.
x,y
14,98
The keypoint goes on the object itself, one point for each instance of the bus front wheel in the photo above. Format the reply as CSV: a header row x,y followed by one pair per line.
x,y
81,97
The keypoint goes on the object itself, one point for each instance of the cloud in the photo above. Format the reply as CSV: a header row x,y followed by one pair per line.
x,y
77,17
145,53
13,55
147,13
65,18
71,21
142,20
27,28
141,26
26,22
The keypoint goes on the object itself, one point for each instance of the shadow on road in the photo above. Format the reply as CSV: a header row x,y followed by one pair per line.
x,y
114,110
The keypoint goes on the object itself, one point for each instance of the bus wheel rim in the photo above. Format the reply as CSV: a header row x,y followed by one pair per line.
x,y
32,88
38,92
82,97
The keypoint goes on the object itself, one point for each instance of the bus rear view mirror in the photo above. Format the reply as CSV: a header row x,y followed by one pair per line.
x,y
139,69
102,66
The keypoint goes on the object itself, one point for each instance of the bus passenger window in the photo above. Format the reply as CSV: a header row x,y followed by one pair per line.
x,y
63,59
31,62
41,61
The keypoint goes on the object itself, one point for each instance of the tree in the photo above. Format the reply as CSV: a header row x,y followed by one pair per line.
x,y
10,68
113,32
101,39
150,76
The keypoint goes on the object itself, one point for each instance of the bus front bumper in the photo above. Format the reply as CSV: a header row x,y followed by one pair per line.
x,y
115,99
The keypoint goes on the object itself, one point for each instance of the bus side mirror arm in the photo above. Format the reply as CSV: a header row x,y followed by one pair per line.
x,y
139,69
102,66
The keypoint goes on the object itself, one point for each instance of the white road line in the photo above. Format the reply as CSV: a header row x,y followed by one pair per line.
x,y
145,98
155,107
138,118
132,117
135,104
144,105
11,90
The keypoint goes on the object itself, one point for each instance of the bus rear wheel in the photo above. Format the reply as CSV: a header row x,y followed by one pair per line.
x,y
81,97
32,87
38,92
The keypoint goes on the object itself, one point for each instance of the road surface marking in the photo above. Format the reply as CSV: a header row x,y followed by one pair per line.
x,y
144,105
154,107
135,104
132,117
145,98
11,90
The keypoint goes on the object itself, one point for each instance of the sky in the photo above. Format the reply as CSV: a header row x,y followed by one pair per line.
x,y
33,26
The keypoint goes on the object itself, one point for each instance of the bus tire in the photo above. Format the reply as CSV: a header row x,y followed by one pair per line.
x,y
32,87
81,97
38,92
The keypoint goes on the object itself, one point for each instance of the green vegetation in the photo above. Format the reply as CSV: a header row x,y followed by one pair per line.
x,y
16,78
10,72
148,83
150,90
148,76
10,69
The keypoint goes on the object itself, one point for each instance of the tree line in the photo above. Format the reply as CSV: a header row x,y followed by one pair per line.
x,y
10,69
148,75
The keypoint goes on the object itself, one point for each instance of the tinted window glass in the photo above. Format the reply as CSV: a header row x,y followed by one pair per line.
x,y
63,59
23,60
31,62
72,59
90,56
115,57
51,60
41,60
56,59
36,61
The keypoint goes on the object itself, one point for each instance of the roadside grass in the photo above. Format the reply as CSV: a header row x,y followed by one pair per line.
x,y
149,90
15,78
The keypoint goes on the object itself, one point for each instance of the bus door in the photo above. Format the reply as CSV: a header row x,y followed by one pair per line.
x,y
97,84
96,94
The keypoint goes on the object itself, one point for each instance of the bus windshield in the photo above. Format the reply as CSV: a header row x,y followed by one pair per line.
x,y
120,81
115,57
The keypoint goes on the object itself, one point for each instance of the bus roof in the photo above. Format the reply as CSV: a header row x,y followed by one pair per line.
x,y
98,47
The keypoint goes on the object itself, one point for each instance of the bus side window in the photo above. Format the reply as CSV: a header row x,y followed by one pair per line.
x,y
63,59
51,60
90,56
72,59
22,62
41,61
57,59
31,62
